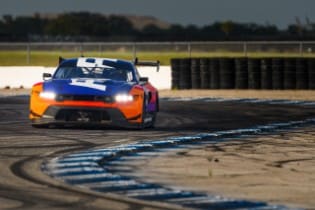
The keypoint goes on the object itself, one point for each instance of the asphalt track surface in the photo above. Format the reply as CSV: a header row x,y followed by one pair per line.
x,y
23,185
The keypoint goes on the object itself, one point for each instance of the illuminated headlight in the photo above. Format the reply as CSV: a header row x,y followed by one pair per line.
x,y
47,95
123,98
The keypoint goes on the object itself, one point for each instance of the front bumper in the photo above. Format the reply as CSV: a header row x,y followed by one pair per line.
x,y
73,115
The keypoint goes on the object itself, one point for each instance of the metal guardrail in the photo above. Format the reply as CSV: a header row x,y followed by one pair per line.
x,y
300,48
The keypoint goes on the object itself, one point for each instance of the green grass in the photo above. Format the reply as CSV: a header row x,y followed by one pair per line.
x,y
50,58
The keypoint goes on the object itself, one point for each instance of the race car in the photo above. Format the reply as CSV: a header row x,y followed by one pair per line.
x,y
95,91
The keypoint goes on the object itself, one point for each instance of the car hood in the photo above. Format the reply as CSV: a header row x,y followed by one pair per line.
x,y
87,86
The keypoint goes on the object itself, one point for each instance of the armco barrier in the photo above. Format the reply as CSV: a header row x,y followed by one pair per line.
x,y
244,73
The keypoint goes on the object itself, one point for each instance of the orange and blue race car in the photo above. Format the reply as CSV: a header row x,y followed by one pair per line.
x,y
95,91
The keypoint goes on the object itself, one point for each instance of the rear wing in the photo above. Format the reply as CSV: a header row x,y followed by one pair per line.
x,y
147,63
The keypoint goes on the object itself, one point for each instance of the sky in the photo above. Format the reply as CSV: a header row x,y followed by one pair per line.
x,y
198,12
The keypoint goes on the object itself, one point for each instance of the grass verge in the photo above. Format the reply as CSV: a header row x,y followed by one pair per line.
x,y
50,58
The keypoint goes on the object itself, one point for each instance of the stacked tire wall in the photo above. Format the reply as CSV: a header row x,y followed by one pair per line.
x,y
243,73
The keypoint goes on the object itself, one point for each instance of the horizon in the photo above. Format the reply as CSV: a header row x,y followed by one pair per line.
x,y
303,21
280,13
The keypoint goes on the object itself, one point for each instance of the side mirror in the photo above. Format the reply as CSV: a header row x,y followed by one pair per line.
x,y
144,80
47,76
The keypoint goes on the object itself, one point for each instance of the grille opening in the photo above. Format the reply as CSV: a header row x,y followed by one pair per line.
x,y
79,115
107,99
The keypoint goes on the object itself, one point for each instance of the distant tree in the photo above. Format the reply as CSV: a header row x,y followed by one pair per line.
x,y
7,23
293,29
211,32
176,32
8,19
227,27
78,24
86,26
118,25
192,33
152,33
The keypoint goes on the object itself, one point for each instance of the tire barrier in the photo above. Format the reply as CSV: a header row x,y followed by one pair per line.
x,y
301,74
195,73
266,74
204,73
175,64
227,73
184,74
277,73
289,81
243,73
311,73
214,70
254,74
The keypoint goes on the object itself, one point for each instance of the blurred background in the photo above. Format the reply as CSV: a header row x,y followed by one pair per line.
x,y
36,32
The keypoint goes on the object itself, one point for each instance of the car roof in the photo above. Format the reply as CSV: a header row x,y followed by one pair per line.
x,y
96,62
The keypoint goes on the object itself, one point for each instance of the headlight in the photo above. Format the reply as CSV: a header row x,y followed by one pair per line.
x,y
123,98
47,95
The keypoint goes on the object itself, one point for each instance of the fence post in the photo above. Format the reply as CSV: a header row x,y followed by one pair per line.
x,y
134,50
81,49
28,53
301,49
100,49
189,49
245,49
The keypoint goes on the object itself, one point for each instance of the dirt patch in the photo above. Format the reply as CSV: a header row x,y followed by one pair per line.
x,y
277,168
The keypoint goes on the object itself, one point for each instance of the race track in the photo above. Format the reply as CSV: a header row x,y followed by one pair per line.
x,y
23,185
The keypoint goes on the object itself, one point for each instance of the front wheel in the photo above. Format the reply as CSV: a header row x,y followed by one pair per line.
x,y
151,124
148,118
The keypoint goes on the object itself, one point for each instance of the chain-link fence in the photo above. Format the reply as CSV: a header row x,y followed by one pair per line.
x,y
28,53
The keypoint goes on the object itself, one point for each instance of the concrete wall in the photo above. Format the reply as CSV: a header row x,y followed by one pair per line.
x,y
18,76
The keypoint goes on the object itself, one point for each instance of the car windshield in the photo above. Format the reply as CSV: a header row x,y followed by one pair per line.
x,y
95,72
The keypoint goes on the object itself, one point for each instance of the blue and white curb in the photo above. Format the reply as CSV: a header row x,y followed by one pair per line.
x,y
110,170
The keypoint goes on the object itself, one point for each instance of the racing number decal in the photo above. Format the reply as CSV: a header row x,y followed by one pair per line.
x,y
88,84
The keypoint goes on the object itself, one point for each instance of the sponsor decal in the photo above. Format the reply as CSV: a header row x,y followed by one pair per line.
x,y
147,119
88,83
93,62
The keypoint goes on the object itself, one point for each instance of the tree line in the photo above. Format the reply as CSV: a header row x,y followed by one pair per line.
x,y
85,26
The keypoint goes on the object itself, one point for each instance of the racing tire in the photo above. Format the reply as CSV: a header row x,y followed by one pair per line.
x,y
152,123
144,124
141,125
